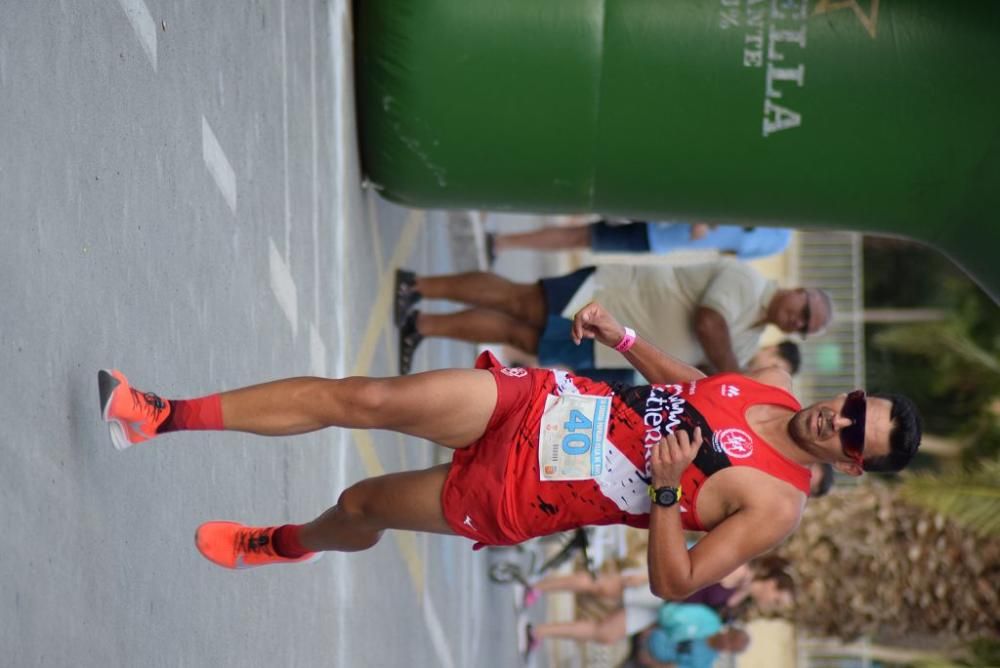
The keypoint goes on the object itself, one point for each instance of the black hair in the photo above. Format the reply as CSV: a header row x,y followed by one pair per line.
x,y
789,351
904,436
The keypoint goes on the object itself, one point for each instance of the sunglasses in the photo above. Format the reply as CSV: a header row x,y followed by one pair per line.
x,y
852,439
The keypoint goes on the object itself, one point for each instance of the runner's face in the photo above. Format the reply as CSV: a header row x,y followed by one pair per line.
x,y
816,429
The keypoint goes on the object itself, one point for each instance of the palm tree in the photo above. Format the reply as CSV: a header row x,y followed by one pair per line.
x,y
869,563
971,497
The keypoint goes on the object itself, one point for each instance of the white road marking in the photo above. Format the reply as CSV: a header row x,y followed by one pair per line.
x,y
218,164
340,33
143,25
315,161
438,638
474,608
283,286
344,651
284,126
408,544
344,596
317,352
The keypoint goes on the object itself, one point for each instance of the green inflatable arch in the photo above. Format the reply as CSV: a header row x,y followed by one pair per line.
x,y
872,115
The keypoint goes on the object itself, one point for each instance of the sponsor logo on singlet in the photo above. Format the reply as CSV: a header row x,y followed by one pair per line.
x,y
664,407
734,442
514,372
729,391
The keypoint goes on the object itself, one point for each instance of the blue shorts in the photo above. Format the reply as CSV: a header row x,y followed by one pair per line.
x,y
611,376
630,238
558,291
555,347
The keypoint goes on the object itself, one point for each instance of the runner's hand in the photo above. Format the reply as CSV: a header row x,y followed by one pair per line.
x,y
593,322
672,455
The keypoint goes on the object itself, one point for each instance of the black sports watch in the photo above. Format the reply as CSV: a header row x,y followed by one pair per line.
x,y
665,496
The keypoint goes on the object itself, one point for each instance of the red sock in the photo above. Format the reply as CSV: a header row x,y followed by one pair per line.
x,y
286,541
194,414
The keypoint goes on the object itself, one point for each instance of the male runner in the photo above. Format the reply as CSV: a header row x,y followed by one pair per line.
x,y
539,451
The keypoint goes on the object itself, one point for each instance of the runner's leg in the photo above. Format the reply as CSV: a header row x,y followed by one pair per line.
x,y
450,407
410,501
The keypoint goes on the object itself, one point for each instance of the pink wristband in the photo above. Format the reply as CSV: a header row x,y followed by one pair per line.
x,y
627,341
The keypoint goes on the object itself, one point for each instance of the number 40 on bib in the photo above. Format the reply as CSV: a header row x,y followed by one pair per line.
x,y
572,437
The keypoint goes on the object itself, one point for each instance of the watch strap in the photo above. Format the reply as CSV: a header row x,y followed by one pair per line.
x,y
678,492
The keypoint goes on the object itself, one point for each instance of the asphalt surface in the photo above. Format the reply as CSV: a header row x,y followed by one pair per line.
x,y
180,198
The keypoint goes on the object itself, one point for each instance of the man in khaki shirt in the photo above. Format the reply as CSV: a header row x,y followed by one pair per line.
x,y
711,313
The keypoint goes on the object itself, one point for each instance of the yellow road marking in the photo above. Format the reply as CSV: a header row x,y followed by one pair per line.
x,y
378,319
381,309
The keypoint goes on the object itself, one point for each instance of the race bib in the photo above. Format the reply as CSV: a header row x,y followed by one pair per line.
x,y
571,437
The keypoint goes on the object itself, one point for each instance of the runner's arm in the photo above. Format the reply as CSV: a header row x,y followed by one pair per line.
x,y
765,515
657,366
675,572
594,322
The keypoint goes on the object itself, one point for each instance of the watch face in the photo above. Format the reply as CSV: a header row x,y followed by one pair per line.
x,y
666,496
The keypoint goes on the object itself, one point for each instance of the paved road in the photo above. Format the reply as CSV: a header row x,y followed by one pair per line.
x,y
180,198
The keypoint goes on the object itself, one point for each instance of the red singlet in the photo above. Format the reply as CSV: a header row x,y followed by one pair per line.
x,y
494,494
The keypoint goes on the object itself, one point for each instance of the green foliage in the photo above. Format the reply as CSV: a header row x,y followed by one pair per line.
x,y
970,496
950,368
952,379
906,274
980,653
985,443
984,652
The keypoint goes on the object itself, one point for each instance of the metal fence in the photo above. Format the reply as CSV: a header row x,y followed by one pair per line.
x,y
834,361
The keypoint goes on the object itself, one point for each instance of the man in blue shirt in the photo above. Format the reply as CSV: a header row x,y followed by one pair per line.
x,y
745,243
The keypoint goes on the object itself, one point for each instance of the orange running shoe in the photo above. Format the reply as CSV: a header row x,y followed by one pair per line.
x,y
238,546
133,416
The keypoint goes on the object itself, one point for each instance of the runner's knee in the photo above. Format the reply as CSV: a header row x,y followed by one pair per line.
x,y
370,399
356,505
